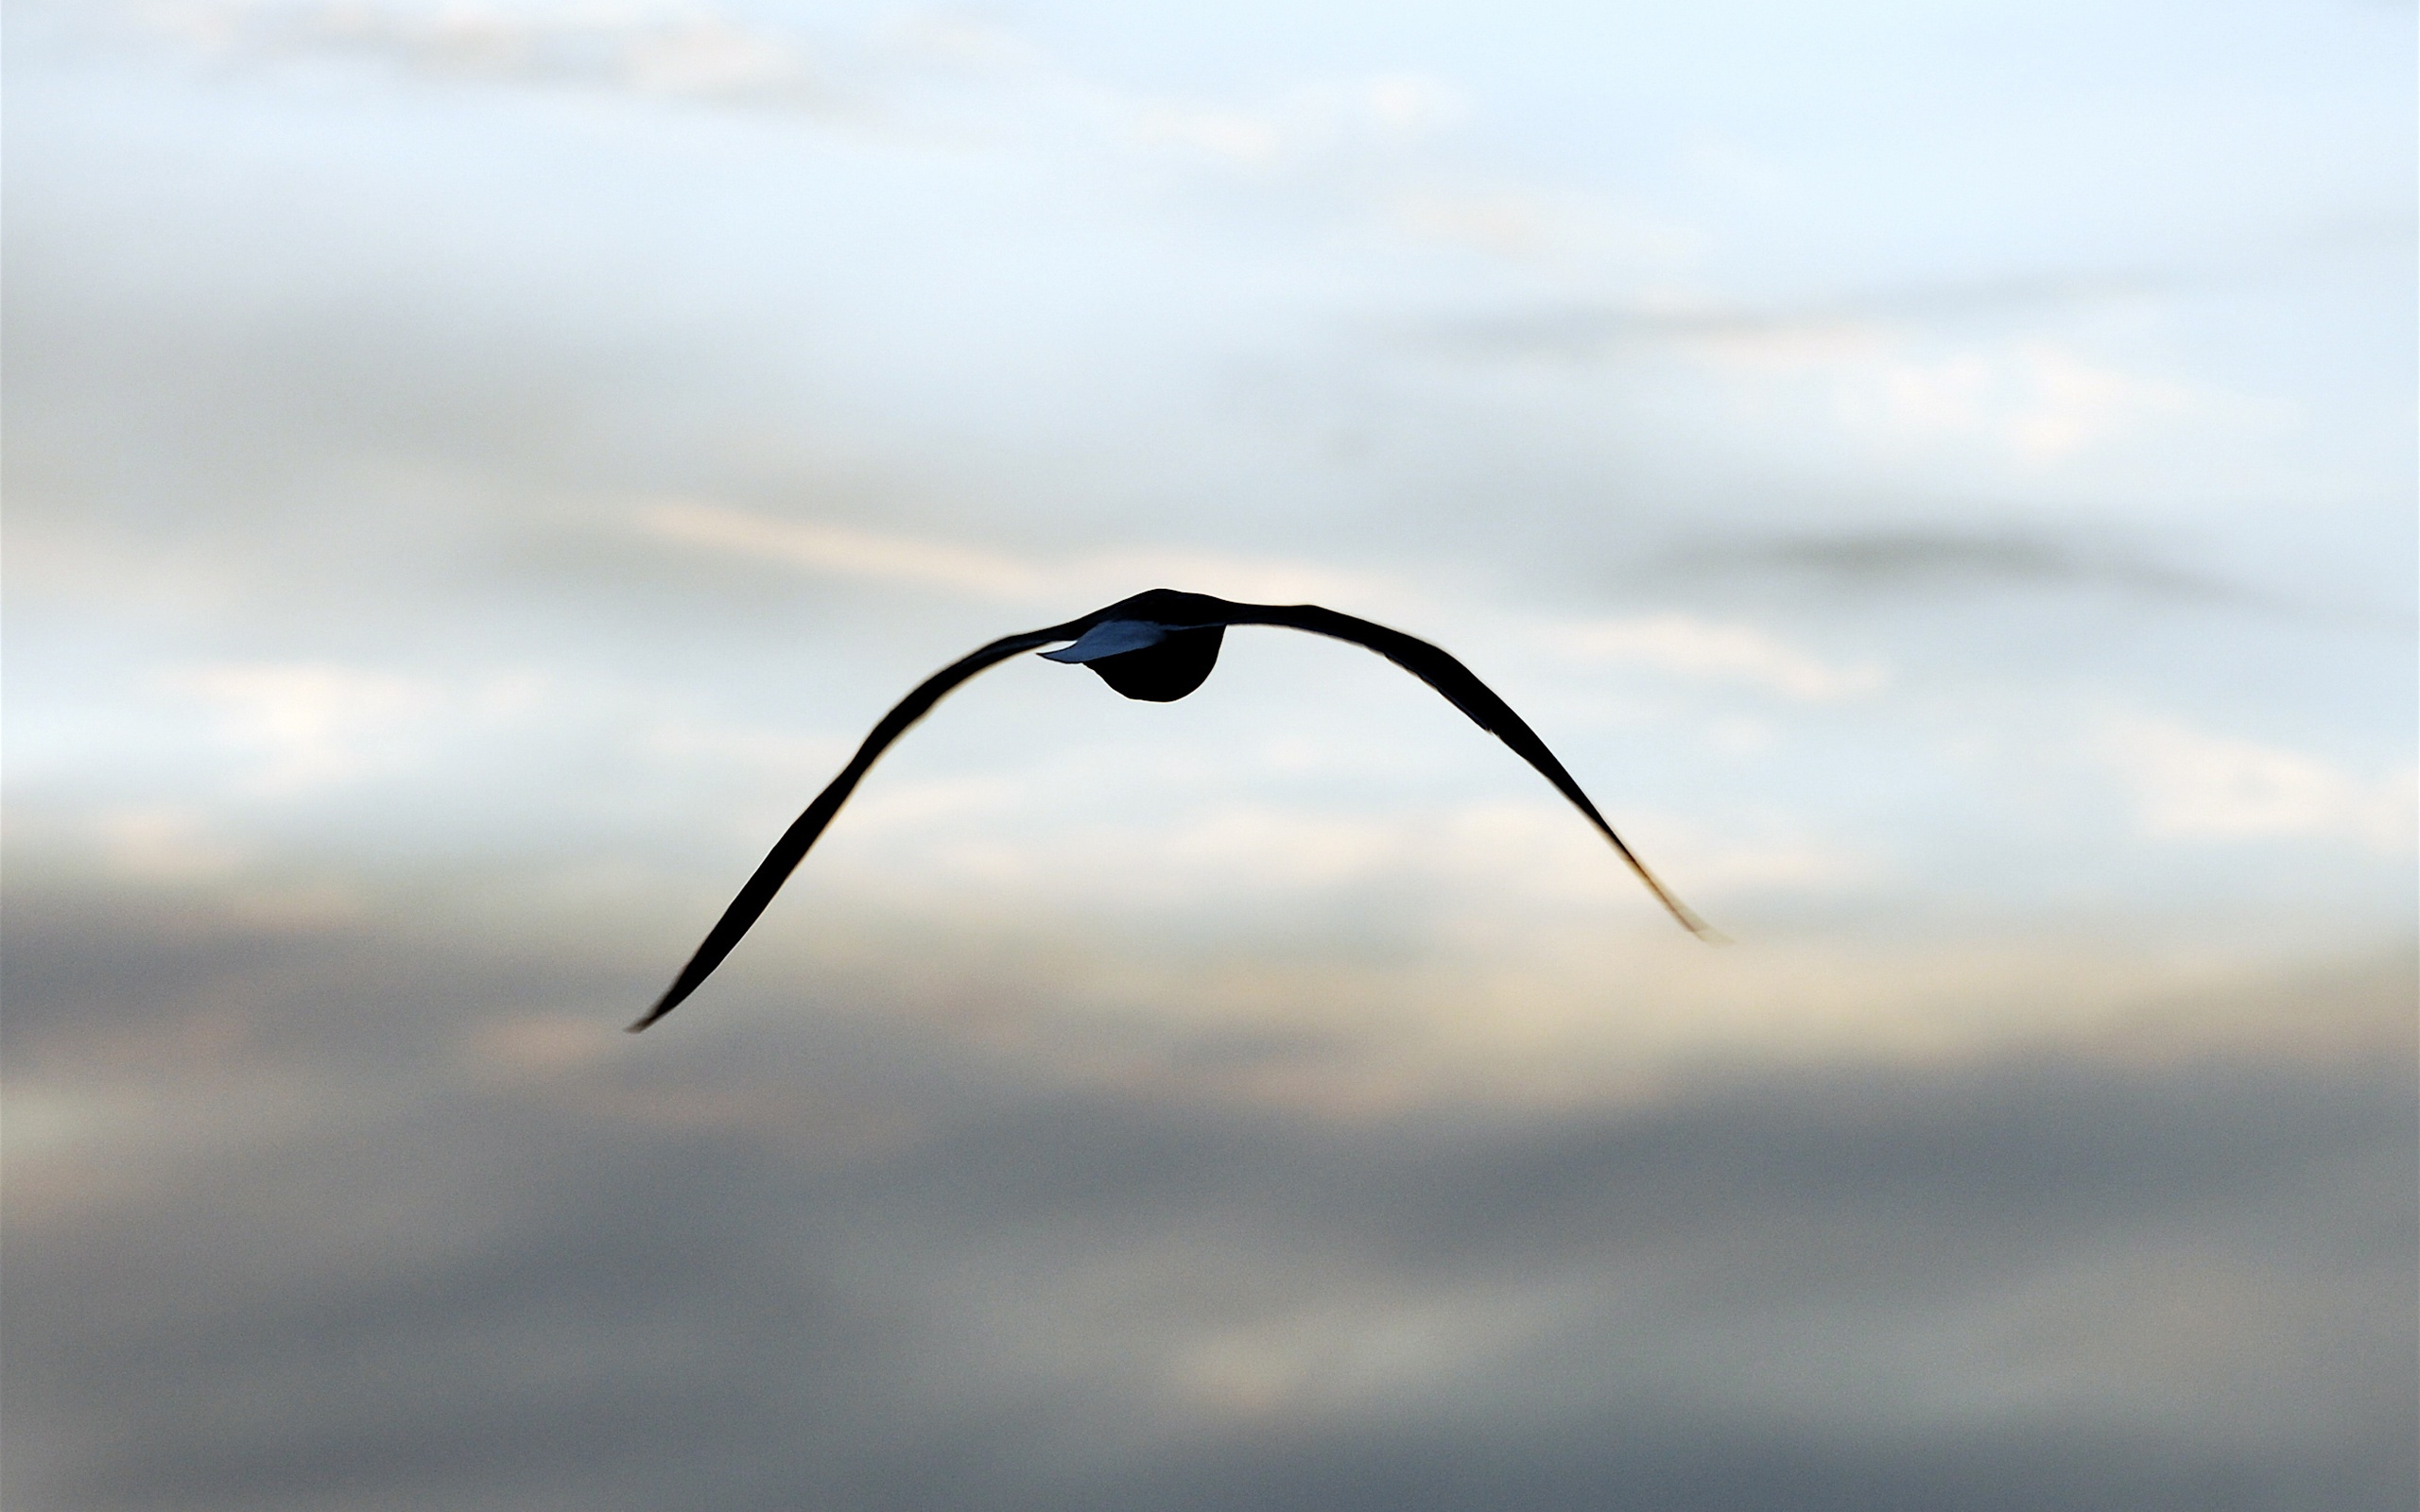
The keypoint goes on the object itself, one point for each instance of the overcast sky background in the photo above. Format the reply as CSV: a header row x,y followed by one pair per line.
x,y
1941,475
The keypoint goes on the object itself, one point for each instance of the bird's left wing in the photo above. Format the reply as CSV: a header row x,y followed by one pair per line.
x,y
793,847
1462,687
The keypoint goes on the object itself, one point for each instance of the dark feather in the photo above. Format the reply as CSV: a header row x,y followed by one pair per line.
x,y
793,847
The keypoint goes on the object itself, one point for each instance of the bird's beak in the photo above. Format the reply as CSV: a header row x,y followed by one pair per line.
x,y
1110,637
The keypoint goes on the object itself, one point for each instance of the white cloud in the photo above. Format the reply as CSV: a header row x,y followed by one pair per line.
x,y
1572,228
959,39
1505,221
1718,866
1234,136
841,550
767,751
310,725
1251,579
1387,109
2069,403
659,50
2033,402
929,80
1410,104
703,52
712,56
2193,784
1693,647
166,844
307,727
934,808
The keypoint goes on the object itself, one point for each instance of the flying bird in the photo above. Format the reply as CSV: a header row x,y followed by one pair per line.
x,y
1156,646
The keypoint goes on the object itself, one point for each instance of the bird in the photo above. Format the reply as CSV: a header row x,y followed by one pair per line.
x,y
1156,646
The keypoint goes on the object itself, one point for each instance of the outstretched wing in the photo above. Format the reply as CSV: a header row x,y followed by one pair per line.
x,y
1161,607
793,847
1462,687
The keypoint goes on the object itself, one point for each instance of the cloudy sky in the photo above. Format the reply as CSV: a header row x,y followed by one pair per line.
x,y
1941,475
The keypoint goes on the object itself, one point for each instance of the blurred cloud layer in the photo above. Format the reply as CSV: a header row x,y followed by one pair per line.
x,y
1940,475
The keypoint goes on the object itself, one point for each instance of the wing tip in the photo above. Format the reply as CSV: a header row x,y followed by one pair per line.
x,y
1687,916
1690,921
662,1005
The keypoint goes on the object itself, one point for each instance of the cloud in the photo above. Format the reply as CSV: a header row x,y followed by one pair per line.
x,y
749,748
842,552
850,552
2192,785
2035,399
536,1047
1893,370
673,51
310,725
304,728
517,1258
1693,647
1919,556
166,844
2031,400
882,74
1586,329
1568,226
1434,1197
1237,136
1387,109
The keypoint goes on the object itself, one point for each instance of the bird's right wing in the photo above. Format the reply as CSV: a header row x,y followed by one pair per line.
x,y
793,847
1462,687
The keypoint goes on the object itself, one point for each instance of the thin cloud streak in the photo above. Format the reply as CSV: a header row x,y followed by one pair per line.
x,y
1689,646
1901,557
880,557
840,551
1583,331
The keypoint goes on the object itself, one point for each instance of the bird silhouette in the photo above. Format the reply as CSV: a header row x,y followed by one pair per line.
x,y
1155,646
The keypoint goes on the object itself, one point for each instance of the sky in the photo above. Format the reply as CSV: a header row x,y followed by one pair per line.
x,y
1940,475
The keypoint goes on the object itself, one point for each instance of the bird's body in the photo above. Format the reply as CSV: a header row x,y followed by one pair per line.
x,y
1143,659
1157,647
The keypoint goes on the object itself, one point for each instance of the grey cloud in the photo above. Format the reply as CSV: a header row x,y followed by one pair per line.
x,y
1921,557
1749,1465
842,1262
267,406
387,474
344,436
